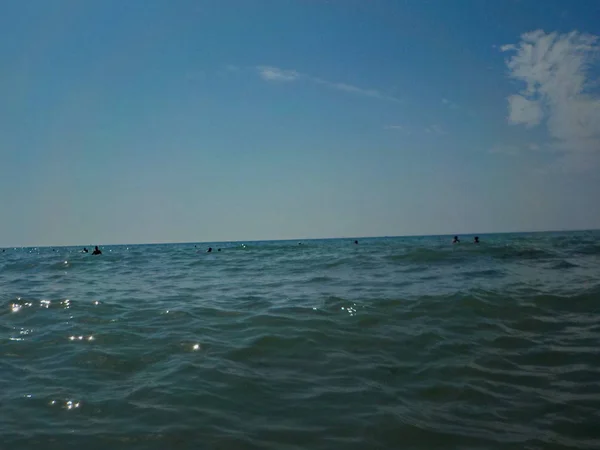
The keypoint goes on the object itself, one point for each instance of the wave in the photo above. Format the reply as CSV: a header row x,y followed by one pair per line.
x,y
464,253
591,248
563,264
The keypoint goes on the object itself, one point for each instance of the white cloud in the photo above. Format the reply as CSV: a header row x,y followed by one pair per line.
x,y
276,74
524,111
434,129
558,87
571,163
399,128
269,73
431,129
449,103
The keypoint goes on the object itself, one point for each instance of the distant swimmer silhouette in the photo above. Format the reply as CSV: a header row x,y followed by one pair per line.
x,y
96,251
85,250
219,250
209,250
355,242
476,240
456,240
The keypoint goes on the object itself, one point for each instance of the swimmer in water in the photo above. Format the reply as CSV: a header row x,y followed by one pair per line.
x,y
96,251
355,242
476,240
209,250
85,250
456,240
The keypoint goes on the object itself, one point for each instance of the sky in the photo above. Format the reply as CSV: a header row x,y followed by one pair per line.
x,y
195,121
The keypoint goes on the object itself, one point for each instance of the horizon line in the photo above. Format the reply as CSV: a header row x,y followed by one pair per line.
x,y
308,239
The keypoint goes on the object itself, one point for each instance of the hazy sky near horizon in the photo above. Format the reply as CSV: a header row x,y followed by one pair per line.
x,y
158,121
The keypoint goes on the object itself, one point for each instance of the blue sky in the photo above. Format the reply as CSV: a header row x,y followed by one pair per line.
x,y
155,121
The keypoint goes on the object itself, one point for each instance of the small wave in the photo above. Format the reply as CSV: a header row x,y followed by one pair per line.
x,y
338,263
319,280
592,248
423,255
485,273
510,252
466,252
563,264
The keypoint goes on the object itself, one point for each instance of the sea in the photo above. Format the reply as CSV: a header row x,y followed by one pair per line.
x,y
391,343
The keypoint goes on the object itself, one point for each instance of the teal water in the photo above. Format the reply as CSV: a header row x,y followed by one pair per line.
x,y
408,343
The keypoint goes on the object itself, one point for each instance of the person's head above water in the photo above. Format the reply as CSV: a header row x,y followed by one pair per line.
x,y
455,239
209,250
476,239
356,242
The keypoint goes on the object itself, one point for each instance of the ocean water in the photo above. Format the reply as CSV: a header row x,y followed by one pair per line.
x,y
394,343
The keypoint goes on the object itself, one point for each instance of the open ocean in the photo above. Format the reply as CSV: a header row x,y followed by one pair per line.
x,y
394,343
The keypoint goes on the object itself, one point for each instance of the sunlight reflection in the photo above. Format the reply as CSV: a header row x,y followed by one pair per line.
x,y
68,404
81,338
350,309
71,404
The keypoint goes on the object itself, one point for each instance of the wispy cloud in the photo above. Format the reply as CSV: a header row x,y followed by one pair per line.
x,y
398,128
434,129
430,129
512,149
275,74
558,89
449,104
